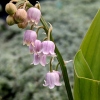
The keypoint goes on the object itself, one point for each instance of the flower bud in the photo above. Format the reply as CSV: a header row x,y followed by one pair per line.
x,y
23,24
10,20
10,8
20,15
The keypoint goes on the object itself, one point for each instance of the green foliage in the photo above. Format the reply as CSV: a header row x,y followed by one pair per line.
x,y
87,64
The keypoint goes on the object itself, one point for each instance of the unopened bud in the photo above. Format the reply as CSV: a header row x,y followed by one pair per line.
x,y
10,8
10,20
23,24
20,15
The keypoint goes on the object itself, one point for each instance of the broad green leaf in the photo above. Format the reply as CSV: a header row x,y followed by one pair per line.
x,y
91,46
87,64
81,66
86,89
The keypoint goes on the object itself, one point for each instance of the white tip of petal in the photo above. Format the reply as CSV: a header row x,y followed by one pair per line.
x,y
51,87
45,84
58,84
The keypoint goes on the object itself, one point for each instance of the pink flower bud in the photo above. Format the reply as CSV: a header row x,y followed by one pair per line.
x,y
23,24
20,15
33,15
52,79
29,37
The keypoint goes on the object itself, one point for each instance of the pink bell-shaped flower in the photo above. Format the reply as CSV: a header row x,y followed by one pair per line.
x,y
48,47
29,37
36,48
39,58
33,15
52,79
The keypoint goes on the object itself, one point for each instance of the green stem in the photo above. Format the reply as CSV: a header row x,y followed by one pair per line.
x,y
39,29
49,34
49,31
61,62
32,26
51,65
57,66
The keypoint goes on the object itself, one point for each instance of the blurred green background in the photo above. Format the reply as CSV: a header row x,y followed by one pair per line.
x,y
21,81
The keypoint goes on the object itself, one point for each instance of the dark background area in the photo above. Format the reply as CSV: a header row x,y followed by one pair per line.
x,y
3,14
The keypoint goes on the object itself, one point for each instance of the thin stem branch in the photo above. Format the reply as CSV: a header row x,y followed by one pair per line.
x,y
57,66
39,29
49,31
61,61
51,64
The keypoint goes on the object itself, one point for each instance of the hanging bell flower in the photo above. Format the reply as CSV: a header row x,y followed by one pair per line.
x,y
52,79
48,48
29,37
33,15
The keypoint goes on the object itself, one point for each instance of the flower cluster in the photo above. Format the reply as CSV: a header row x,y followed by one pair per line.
x,y
40,49
21,17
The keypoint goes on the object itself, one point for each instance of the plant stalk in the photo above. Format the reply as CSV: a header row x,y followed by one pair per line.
x,y
61,62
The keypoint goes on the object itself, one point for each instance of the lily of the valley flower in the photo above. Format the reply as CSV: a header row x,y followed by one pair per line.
x,y
33,15
52,79
29,37
36,48
48,48
39,58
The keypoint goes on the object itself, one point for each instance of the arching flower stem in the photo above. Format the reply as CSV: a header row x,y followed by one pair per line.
x,y
13,1
32,26
25,4
57,66
51,64
49,31
61,62
39,29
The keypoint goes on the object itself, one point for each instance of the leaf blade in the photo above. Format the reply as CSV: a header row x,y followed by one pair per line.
x,y
90,46
81,67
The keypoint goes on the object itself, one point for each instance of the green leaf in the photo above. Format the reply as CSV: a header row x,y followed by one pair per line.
x,y
91,46
86,89
81,66
87,64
